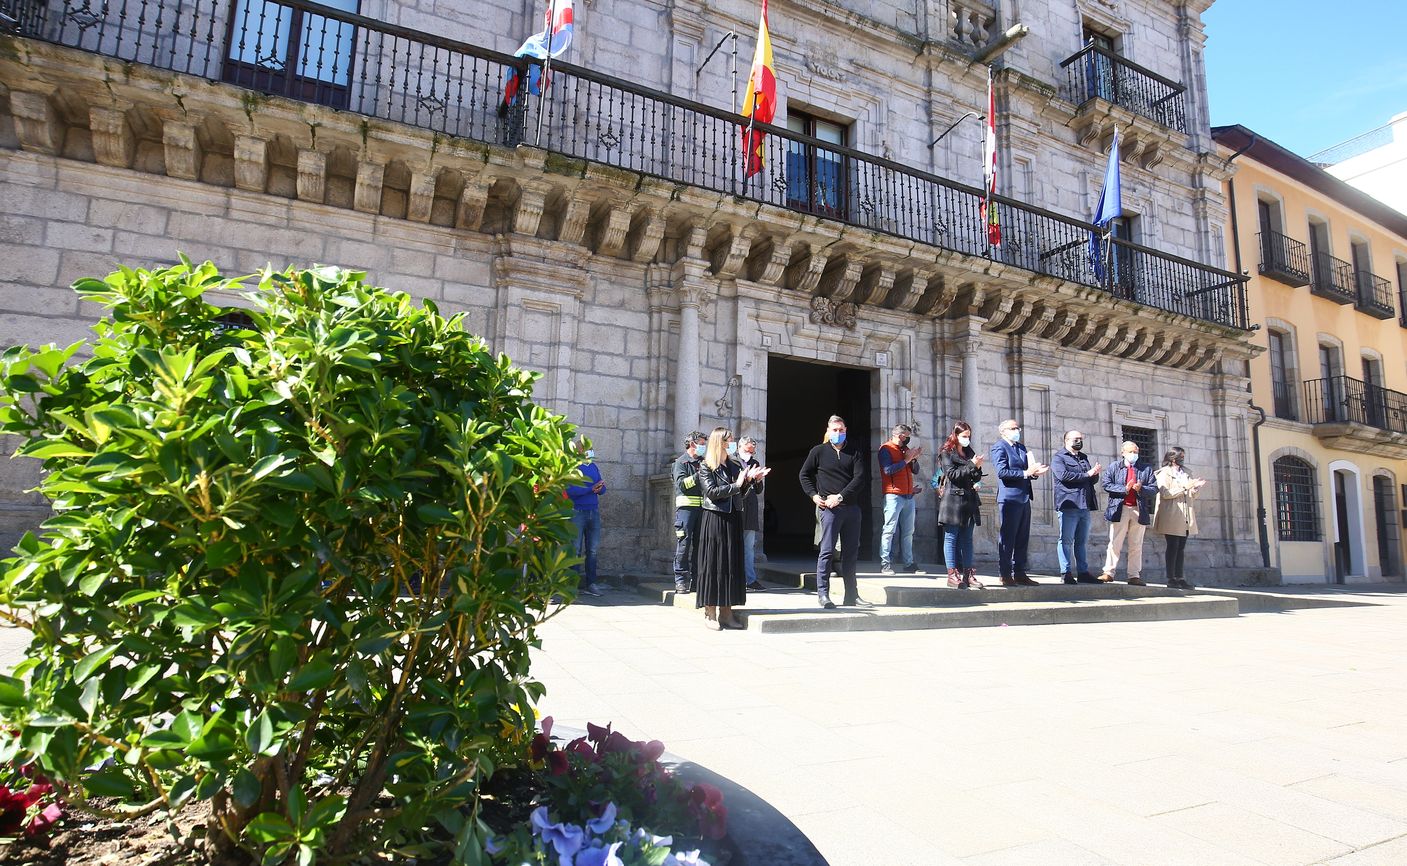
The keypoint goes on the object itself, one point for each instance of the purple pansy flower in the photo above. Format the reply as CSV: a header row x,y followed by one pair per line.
x,y
605,822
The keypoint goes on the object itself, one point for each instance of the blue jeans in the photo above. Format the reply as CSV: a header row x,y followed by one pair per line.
x,y
1074,532
749,554
957,545
898,520
588,540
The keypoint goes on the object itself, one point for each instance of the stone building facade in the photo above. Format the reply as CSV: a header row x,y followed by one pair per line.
x,y
603,236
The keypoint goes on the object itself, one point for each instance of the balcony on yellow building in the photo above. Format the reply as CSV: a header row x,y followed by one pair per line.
x,y
1374,295
1354,415
1283,259
1333,279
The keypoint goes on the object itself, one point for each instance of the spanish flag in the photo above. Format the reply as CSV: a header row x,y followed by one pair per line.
x,y
760,100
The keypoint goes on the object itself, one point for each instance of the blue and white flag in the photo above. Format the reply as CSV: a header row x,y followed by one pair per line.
x,y
1110,207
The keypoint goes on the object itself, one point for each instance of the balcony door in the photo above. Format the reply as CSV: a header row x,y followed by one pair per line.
x,y
1331,372
1121,258
282,50
1281,387
816,176
1389,536
1101,74
1319,254
1362,272
1374,395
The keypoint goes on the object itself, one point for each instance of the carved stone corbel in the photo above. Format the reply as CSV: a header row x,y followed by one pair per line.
x,y
114,143
574,220
767,261
422,195
804,274
612,229
841,275
371,177
39,126
251,163
1109,336
182,150
1003,312
1060,327
728,257
473,199
642,242
907,291
527,211
876,281
312,176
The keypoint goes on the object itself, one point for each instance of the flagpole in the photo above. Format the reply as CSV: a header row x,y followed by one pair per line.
x,y
546,66
734,34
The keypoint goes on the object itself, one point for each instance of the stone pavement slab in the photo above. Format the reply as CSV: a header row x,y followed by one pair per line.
x,y
1271,738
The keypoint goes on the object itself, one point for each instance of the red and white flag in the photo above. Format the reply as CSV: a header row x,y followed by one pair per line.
x,y
989,168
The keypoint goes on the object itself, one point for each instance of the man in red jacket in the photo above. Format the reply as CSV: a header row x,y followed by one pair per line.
x,y
898,464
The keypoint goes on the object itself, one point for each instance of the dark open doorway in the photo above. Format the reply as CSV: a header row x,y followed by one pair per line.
x,y
800,397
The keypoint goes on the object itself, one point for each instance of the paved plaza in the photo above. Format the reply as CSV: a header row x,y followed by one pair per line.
x,y
1268,738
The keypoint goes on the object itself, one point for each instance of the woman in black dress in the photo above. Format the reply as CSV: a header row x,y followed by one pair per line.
x,y
720,578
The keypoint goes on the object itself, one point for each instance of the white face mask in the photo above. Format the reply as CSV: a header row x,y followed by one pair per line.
x,y
964,441
1012,436
1131,458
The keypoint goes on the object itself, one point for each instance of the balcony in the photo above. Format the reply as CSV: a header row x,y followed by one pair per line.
x,y
1333,279
1095,73
1353,415
1374,295
312,53
1283,259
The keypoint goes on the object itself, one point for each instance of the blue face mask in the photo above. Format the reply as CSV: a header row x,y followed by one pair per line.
x,y
837,438
590,454
700,450
732,448
1014,436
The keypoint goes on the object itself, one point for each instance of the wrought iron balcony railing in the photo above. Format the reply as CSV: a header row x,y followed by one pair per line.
x,y
1333,279
1284,259
1374,295
314,53
1339,399
1283,394
1097,73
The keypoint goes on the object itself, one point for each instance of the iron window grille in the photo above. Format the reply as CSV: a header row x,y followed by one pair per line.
x,y
1296,500
1146,439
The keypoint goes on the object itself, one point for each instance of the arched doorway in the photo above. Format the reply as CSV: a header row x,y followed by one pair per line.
x,y
1349,547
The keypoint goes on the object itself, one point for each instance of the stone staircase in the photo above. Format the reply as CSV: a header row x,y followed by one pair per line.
x,y
924,601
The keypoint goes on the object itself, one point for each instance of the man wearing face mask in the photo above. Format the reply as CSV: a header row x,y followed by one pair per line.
x,y
898,465
1133,493
833,475
688,502
1075,498
1015,469
586,516
752,513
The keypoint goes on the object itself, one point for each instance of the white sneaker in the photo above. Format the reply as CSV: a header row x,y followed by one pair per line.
x,y
886,569
592,590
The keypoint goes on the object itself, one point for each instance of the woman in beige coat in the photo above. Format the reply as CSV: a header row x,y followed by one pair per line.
x,y
1175,516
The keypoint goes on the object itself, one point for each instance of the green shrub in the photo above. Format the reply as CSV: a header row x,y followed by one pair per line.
x,y
295,565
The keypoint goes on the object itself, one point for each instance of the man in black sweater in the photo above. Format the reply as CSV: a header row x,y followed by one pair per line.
x,y
834,476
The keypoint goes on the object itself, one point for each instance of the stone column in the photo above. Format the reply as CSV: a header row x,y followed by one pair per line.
x,y
690,287
970,340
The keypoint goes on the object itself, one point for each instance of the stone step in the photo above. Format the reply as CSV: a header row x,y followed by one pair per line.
x,y
941,595
794,611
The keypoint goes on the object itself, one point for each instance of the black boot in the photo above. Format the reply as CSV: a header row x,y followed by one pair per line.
x,y
852,592
823,592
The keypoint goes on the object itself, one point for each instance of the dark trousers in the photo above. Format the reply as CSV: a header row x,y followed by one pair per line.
x,y
1172,560
842,522
1013,536
686,551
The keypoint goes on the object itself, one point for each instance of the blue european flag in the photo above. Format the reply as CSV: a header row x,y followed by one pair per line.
x,y
1109,209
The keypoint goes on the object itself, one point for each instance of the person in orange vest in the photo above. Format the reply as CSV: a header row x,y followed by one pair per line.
x,y
898,464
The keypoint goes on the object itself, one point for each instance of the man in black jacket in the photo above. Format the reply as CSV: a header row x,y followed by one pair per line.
x,y
687,502
834,476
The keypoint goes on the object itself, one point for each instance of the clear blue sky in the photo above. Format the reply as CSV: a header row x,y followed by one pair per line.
x,y
1305,74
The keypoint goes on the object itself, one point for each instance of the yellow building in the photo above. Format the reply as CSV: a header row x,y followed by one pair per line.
x,y
1328,267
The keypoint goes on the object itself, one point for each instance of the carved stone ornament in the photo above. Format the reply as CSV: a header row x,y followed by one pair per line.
x,y
824,62
826,312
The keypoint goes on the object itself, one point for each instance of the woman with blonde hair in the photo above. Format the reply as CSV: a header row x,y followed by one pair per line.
x,y
1175,518
720,577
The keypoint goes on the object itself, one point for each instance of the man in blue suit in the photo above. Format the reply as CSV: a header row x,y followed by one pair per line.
x,y
1014,473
